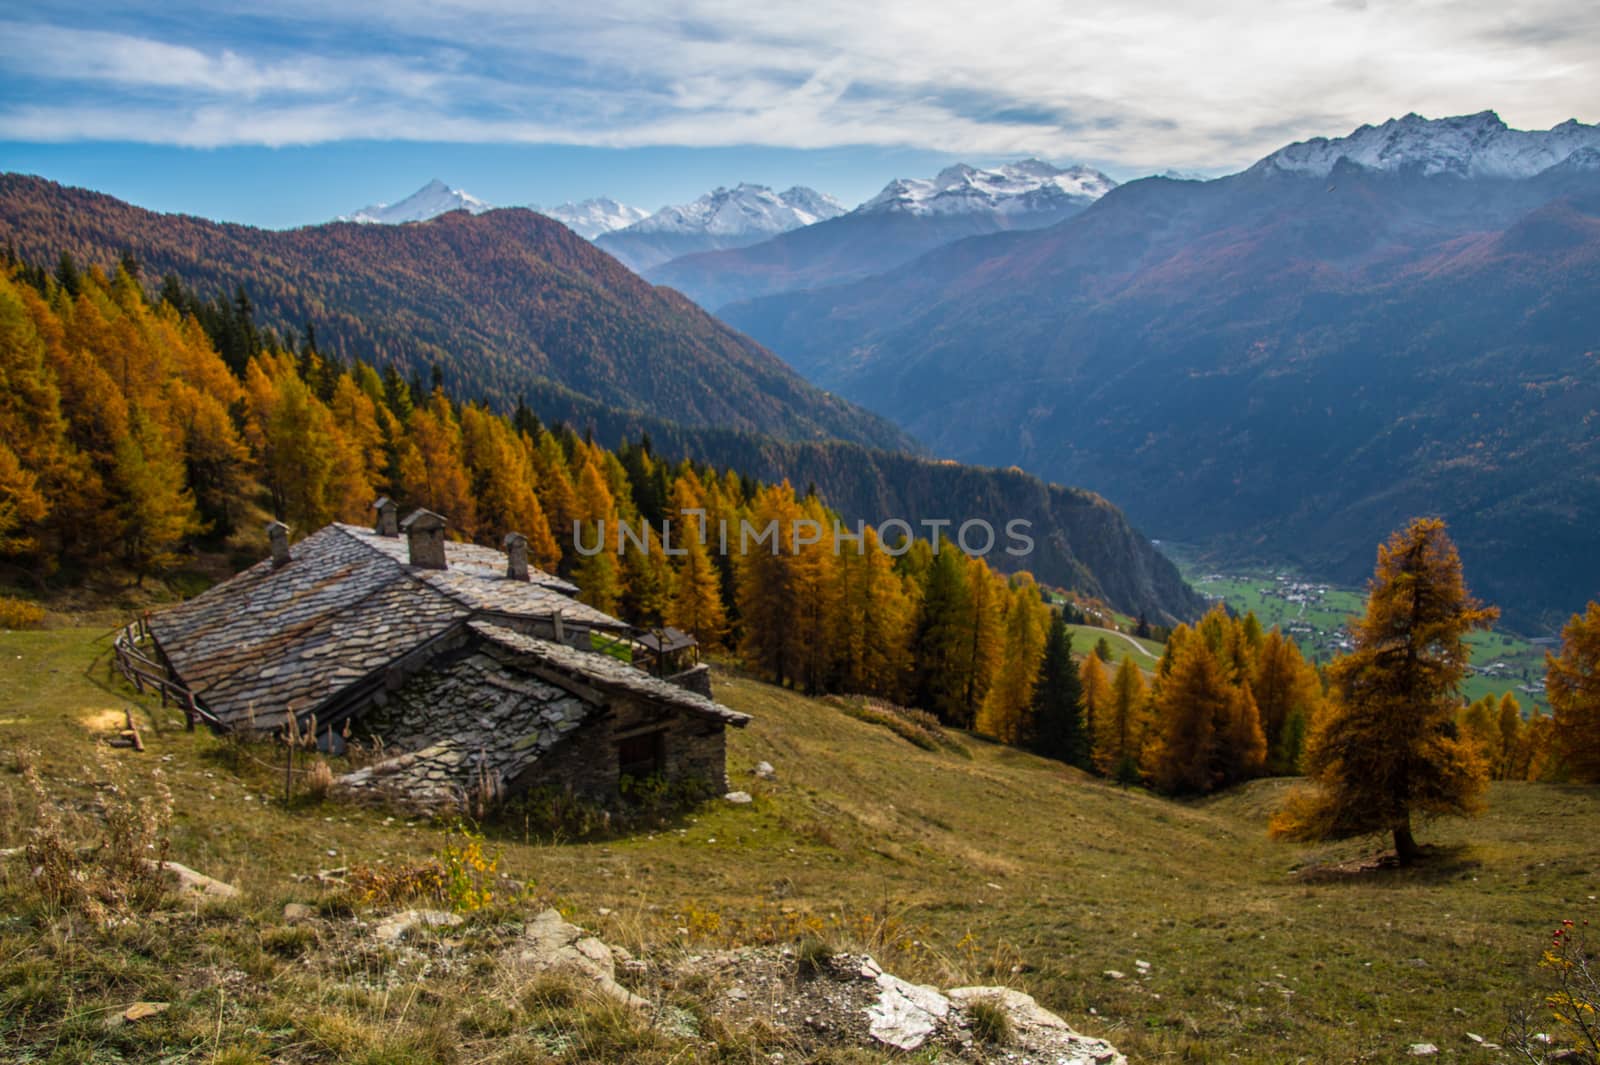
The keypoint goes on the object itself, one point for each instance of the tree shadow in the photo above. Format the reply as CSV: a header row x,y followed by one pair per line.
x,y
1437,863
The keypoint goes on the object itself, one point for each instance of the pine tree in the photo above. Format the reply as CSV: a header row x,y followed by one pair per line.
x,y
1121,728
1058,728
1207,731
1573,682
1005,709
696,603
1096,684
945,638
1386,749
1287,691
597,573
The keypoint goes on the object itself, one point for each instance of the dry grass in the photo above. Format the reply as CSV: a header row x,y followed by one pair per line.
x,y
994,868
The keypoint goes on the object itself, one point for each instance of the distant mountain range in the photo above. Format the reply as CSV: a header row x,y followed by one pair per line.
x,y
722,218
591,218
909,217
433,199
1285,363
748,240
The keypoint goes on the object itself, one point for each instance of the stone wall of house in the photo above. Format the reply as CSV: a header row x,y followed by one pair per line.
x,y
693,748
696,679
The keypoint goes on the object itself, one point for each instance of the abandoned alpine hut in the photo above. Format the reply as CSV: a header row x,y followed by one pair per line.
x,y
474,673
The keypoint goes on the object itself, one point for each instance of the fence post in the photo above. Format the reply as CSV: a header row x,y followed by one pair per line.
x,y
189,713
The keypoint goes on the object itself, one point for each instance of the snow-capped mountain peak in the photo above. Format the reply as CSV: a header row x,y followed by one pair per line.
x,y
743,210
1479,145
1015,188
433,199
591,218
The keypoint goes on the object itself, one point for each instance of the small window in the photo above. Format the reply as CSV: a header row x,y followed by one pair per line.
x,y
640,756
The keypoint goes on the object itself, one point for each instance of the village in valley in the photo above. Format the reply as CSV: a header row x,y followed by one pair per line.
x,y
1315,613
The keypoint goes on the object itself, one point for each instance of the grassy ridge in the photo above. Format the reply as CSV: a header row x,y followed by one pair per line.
x,y
1000,867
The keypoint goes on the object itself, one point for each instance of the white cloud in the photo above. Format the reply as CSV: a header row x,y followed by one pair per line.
x,y
1156,83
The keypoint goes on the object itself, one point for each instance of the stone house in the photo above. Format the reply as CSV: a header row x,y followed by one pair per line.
x,y
473,673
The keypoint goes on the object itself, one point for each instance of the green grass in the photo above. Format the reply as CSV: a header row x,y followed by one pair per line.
x,y
999,868
1146,654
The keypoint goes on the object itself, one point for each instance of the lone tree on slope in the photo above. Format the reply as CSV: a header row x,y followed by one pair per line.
x,y
1386,747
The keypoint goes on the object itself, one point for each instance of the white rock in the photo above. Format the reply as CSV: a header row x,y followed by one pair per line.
x,y
549,943
738,798
392,928
905,1014
764,771
1040,1034
1114,974
1422,1050
189,882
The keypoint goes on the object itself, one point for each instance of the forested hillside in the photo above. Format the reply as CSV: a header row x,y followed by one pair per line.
x,y
508,304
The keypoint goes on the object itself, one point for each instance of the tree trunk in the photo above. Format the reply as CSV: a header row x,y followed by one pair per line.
x,y
1405,845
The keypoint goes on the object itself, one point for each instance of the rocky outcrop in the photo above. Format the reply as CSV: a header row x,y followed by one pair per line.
x,y
549,943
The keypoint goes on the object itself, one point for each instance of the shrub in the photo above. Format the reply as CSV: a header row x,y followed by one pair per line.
x,y
812,956
122,872
989,1020
461,876
915,726
19,613
319,780
1572,966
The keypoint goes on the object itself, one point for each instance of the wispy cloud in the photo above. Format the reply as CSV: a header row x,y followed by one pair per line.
x,y
1160,82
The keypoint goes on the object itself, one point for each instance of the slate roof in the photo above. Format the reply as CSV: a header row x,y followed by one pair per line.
x,y
469,718
275,639
490,711
605,673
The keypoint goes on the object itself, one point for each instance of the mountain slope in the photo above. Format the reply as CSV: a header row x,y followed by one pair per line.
x,y
1282,363
909,217
507,303
433,199
722,218
1081,541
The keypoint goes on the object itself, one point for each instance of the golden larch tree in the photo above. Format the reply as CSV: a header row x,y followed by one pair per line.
x,y
1573,682
1387,749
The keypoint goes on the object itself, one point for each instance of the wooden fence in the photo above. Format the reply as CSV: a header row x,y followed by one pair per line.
x,y
135,660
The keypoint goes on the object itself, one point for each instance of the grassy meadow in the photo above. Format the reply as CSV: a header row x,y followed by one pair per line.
x,y
995,868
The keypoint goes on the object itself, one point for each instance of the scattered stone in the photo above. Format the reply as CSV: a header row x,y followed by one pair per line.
x,y
297,912
1114,974
394,927
1422,1050
1144,967
188,882
738,798
1474,1037
764,771
905,1014
870,969
550,943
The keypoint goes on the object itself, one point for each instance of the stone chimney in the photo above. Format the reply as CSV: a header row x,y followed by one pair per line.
x,y
278,536
388,517
517,556
425,537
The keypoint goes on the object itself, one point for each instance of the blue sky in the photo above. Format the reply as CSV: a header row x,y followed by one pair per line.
x,y
294,114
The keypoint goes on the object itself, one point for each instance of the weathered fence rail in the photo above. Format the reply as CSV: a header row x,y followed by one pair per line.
x,y
143,671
